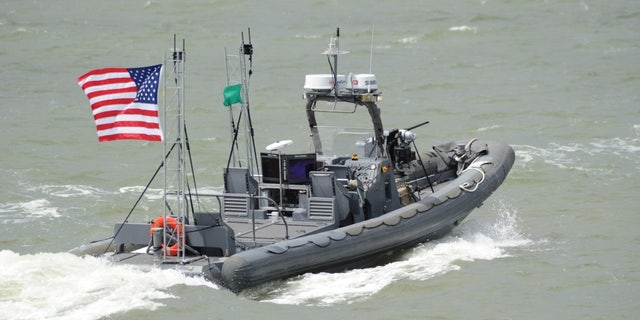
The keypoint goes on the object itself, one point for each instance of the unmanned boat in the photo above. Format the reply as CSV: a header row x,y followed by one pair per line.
x,y
358,194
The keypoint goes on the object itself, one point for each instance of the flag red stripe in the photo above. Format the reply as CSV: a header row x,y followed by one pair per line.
x,y
129,136
111,91
104,82
113,113
101,72
122,102
138,124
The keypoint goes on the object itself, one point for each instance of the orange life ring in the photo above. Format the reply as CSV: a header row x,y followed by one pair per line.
x,y
171,250
176,227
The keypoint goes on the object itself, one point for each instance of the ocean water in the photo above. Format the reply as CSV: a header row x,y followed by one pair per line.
x,y
558,80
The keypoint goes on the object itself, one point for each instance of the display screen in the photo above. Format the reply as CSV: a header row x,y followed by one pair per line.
x,y
295,168
299,166
270,168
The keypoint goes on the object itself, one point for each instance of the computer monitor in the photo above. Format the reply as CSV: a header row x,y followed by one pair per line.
x,y
270,167
292,168
298,166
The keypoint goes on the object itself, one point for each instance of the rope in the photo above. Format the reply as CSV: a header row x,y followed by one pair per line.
x,y
478,167
465,186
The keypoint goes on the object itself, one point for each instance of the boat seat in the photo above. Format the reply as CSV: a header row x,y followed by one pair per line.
x,y
238,185
238,180
324,185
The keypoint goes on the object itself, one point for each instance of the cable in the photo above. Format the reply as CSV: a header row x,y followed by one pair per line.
x,y
140,197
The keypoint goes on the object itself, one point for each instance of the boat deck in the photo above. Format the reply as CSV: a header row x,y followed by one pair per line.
x,y
266,231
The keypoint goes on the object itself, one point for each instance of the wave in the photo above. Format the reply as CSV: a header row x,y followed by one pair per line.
x,y
489,128
64,286
150,194
408,40
595,156
55,201
464,28
69,190
45,201
18,212
471,241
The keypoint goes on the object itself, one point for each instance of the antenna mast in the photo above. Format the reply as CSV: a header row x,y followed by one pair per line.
x,y
175,182
371,52
237,73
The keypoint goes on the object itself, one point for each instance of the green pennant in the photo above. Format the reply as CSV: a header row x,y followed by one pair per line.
x,y
232,94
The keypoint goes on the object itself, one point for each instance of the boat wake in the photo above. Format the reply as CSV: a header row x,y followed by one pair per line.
x,y
472,241
64,286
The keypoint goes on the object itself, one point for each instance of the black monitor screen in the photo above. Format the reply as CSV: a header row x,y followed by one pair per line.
x,y
270,168
295,168
299,166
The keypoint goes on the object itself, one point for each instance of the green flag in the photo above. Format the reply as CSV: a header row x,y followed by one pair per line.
x,y
232,94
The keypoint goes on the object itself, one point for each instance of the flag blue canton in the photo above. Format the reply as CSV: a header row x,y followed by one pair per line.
x,y
146,79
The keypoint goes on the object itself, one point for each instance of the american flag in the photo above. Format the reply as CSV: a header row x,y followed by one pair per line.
x,y
124,102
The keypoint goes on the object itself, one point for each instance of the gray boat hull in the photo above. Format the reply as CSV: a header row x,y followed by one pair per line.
x,y
360,243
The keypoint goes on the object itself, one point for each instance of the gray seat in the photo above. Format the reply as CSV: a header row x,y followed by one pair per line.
x,y
239,185
323,187
323,183
238,180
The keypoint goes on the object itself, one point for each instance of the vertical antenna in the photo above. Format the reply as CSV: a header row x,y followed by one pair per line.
x,y
244,118
334,50
175,184
247,50
336,56
371,52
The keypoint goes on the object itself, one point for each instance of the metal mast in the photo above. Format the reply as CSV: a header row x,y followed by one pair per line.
x,y
175,182
242,126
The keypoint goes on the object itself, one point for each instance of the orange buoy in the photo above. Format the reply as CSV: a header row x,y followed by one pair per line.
x,y
176,228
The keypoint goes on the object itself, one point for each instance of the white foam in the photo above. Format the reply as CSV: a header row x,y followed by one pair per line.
x,y
526,153
409,40
493,127
68,190
64,286
150,194
470,242
27,209
617,146
464,29
581,156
